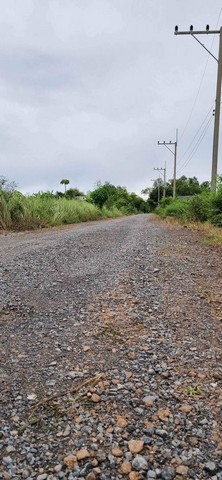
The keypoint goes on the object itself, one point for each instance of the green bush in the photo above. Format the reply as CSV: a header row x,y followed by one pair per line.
x,y
200,207
217,220
166,201
204,207
217,202
176,208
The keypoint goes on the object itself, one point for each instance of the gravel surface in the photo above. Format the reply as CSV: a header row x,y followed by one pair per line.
x,y
110,353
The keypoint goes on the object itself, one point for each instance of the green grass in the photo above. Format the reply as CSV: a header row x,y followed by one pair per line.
x,y
19,212
205,207
202,213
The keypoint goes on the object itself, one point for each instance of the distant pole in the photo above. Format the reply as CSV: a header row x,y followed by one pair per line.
x,y
175,159
175,165
164,181
218,94
164,178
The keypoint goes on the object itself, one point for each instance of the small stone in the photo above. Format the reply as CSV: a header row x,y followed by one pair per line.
x,y
149,400
95,398
82,454
86,348
218,375
182,470
161,433
91,476
135,476
131,356
168,473
151,474
15,419
7,460
163,414
67,431
140,463
121,422
139,410
185,408
6,476
43,476
58,468
70,461
125,467
10,449
32,396
117,452
135,446
193,441
210,467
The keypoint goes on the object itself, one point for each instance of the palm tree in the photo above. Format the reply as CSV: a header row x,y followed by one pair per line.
x,y
64,182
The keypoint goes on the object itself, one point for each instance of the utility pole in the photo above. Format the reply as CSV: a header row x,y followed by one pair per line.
x,y
164,178
218,93
175,159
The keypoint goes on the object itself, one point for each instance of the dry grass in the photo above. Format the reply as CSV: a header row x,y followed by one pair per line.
x,y
211,235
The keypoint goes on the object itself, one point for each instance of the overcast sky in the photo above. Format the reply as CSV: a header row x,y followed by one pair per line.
x,y
88,87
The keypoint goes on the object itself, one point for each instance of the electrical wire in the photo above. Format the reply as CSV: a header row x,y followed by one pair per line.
x,y
196,146
201,82
191,143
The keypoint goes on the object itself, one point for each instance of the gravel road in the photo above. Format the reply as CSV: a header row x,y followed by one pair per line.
x,y
110,353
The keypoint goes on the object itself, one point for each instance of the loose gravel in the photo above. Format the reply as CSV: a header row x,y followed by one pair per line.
x,y
110,353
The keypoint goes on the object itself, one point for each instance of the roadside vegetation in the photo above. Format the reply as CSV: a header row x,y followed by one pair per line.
x,y
45,209
196,206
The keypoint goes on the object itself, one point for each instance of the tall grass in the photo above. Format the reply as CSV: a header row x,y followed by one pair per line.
x,y
19,212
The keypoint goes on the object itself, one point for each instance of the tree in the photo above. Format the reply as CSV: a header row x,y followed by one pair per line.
x,y
205,186
64,182
184,187
155,193
73,193
117,197
6,185
7,188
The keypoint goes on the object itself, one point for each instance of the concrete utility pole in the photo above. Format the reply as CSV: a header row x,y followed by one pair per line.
x,y
218,93
164,178
175,159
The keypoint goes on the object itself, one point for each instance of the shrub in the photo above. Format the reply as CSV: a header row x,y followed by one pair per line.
x,y
176,208
217,220
200,207
217,202
166,201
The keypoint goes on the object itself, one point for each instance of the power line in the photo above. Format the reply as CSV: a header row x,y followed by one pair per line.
x,y
191,143
196,146
194,34
201,82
